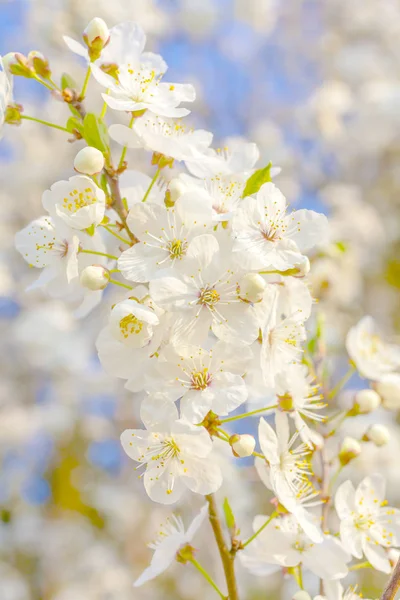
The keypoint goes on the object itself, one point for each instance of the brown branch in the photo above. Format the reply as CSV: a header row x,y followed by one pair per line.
x,y
227,557
117,203
393,584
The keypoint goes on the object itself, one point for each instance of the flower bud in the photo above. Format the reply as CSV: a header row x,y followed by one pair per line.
x,y
252,287
89,161
96,36
39,63
366,401
389,390
349,450
242,445
378,434
176,188
303,267
17,64
95,277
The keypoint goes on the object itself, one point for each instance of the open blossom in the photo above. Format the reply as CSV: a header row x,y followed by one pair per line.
x,y
284,543
298,394
126,44
128,344
79,202
367,525
206,293
176,454
171,538
286,471
373,357
238,157
140,88
203,380
281,340
267,236
52,246
164,235
165,136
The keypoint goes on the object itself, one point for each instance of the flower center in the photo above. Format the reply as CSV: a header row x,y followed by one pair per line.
x,y
200,379
271,235
129,325
209,297
77,200
177,248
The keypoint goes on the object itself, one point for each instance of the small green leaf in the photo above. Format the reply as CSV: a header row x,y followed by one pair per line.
x,y
74,123
96,133
67,82
229,518
256,180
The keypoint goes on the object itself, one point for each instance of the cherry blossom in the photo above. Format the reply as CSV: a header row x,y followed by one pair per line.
x,y
367,525
175,453
171,538
266,236
373,357
284,543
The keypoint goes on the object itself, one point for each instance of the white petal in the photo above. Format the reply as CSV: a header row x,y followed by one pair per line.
x,y
268,441
345,499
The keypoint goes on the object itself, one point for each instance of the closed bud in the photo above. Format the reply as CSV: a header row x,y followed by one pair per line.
x,y
17,64
378,434
252,287
366,401
89,161
389,391
176,188
96,36
242,445
303,267
349,450
12,114
95,277
39,63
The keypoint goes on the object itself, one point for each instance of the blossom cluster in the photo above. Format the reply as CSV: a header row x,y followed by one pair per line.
x,y
212,269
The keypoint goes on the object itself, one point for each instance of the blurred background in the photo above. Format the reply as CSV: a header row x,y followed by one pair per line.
x,y
317,86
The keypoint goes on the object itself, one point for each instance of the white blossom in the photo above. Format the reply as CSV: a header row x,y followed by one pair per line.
x,y
367,525
177,455
266,236
79,202
164,235
284,543
373,357
206,293
286,471
168,137
203,380
171,538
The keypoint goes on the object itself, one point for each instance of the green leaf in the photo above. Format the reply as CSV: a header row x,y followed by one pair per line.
x,y
74,123
256,180
96,133
229,517
67,82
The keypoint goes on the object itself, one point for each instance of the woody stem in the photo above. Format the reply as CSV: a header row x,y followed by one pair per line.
x,y
227,557
393,584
